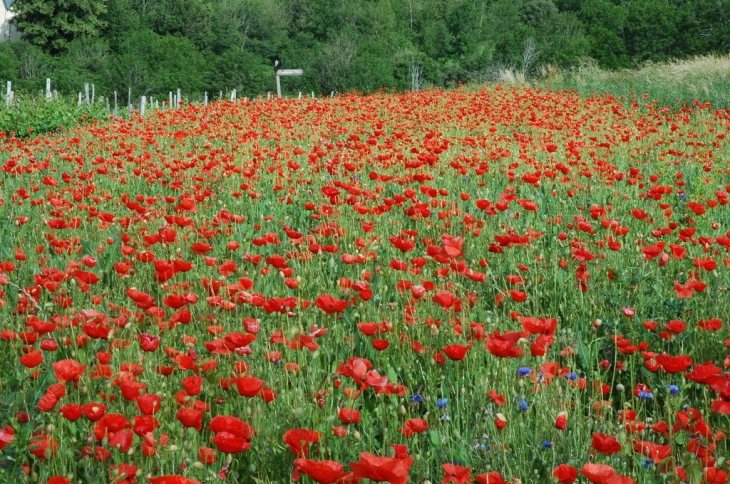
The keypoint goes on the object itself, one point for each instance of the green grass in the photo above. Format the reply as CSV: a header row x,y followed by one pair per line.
x,y
680,82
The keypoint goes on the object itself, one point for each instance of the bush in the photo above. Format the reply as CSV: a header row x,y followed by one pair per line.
x,y
31,116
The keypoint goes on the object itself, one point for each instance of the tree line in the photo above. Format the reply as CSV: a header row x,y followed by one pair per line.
x,y
155,46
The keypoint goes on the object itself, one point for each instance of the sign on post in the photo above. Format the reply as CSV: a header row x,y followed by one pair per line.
x,y
284,72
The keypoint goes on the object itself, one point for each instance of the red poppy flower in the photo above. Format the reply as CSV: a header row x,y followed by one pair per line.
x,y
393,470
606,444
229,443
172,479
144,424
32,359
653,451
518,296
43,446
201,248
58,480
561,422
674,364
414,426
71,412
192,385
68,370
445,299
496,398
565,474
493,477
149,404
597,473
713,324
500,421
190,418
628,312
232,425
456,473
249,386
704,372
503,345
713,475
322,471
380,344
456,352
298,440
349,416
7,435
330,305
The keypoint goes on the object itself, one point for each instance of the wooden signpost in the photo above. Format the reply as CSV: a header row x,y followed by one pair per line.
x,y
284,72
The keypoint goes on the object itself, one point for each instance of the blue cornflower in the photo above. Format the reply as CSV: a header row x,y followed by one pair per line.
x,y
417,398
647,463
571,376
524,371
673,389
442,402
547,444
523,406
646,395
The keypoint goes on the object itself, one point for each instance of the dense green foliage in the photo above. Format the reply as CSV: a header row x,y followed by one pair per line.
x,y
30,116
153,46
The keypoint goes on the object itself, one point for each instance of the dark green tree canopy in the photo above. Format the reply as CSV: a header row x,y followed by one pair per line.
x,y
153,46
52,24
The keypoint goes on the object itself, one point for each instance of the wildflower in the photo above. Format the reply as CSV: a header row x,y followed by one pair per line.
x,y
442,402
524,371
673,389
646,395
417,398
523,406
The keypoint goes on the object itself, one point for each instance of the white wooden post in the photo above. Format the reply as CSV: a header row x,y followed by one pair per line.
x,y
129,99
233,96
81,99
115,104
179,99
93,93
8,91
300,95
142,106
86,92
285,72
48,89
313,95
205,99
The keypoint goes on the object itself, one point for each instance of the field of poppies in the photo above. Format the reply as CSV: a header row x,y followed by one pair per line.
x,y
492,285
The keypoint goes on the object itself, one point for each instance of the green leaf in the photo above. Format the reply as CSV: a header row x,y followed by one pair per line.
x,y
435,438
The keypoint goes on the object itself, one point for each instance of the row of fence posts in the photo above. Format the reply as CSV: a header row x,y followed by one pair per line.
x,y
89,97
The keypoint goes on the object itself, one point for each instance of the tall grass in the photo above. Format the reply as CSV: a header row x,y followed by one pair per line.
x,y
679,82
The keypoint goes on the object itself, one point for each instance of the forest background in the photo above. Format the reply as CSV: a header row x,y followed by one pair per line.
x,y
156,46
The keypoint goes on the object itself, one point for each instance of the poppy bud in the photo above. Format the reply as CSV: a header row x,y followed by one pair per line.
x,y
501,421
